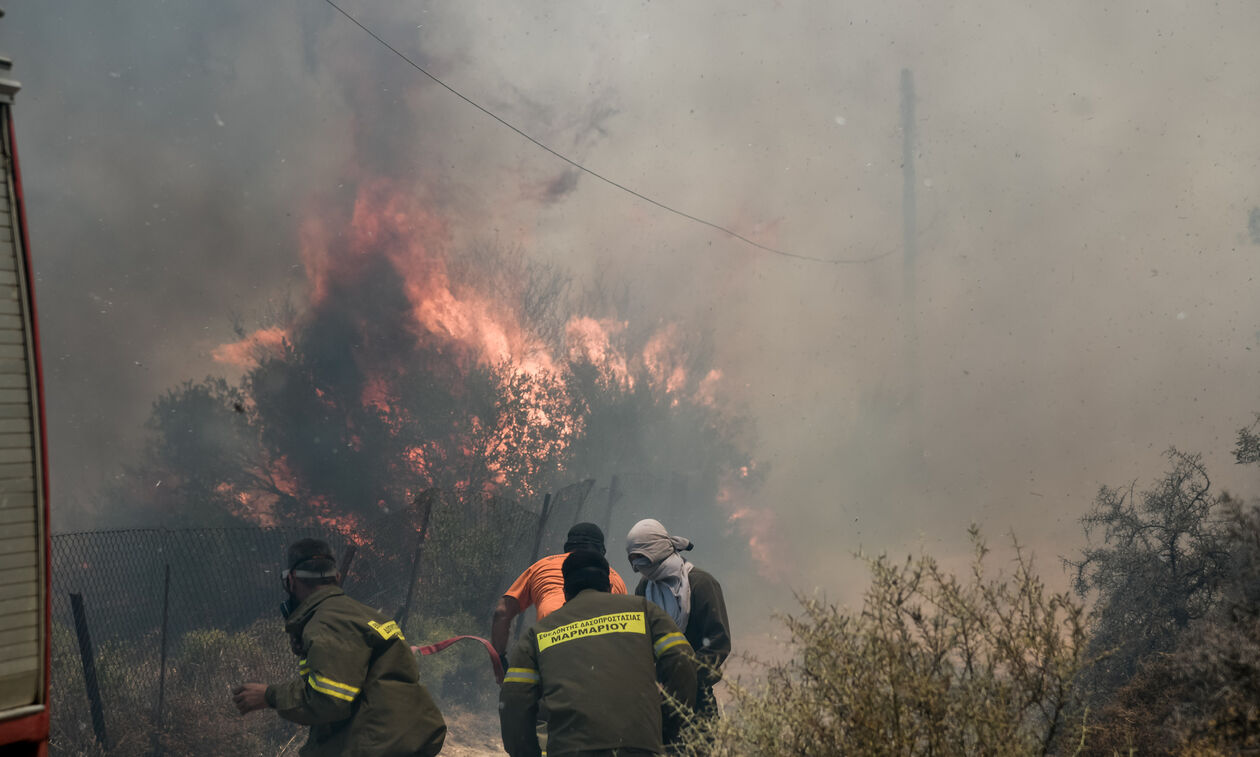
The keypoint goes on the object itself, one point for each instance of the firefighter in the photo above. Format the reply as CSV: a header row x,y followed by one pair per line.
x,y
358,682
543,585
692,598
596,661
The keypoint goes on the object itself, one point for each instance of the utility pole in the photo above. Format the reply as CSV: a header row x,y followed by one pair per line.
x,y
910,240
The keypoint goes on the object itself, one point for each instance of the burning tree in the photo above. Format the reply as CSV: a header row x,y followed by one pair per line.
x,y
410,367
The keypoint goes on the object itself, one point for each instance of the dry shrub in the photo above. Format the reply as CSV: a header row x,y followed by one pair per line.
x,y
1202,697
933,664
198,714
1154,564
202,667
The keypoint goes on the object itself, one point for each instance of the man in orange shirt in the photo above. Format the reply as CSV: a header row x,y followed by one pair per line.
x,y
542,584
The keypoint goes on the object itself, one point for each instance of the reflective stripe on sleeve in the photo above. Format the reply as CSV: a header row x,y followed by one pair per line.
x,y
332,688
667,642
303,668
521,675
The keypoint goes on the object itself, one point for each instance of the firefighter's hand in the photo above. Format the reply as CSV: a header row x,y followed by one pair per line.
x,y
249,697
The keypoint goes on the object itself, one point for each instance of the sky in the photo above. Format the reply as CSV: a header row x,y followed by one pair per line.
x,y
1084,294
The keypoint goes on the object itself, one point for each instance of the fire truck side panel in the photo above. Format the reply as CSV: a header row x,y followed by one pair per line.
x,y
23,541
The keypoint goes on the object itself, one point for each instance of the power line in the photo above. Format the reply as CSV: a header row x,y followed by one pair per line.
x,y
590,172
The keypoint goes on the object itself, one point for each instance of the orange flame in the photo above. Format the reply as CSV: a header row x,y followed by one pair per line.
x,y
663,358
590,341
759,527
756,524
538,418
249,351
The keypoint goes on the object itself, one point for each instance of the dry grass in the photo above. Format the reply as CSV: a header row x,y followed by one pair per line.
x,y
199,717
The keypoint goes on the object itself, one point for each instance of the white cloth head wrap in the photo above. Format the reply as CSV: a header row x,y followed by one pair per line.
x,y
668,575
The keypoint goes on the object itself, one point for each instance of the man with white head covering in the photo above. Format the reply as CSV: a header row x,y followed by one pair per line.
x,y
691,596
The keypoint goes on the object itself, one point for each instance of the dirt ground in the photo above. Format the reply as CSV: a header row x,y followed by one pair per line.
x,y
471,734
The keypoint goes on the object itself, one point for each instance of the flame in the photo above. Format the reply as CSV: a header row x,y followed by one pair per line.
x,y
756,524
537,418
707,391
418,460
759,527
663,357
590,341
377,394
392,222
263,343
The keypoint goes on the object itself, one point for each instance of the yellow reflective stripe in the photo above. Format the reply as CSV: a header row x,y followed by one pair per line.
x,y
618,622
328,691
667,642
336,684
521,675
303,668
332,688
670,646
523,671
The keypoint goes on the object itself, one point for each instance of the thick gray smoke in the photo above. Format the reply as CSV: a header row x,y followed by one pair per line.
x,y
1085,285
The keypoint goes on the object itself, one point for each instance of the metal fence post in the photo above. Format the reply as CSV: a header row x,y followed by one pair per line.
x,y
347,559
613,496
424,501
588,486
158,725
542,526
89,669
533,555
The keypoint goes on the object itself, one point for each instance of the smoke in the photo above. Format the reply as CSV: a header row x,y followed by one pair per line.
x,y
1084,288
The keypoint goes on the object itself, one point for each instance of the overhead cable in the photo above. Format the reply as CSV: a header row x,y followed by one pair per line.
x,y
584,169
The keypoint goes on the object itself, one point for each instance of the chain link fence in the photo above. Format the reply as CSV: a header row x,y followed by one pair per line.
x,y
152,628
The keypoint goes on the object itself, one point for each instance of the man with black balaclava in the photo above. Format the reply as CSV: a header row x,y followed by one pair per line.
x,y
358,684
692,598
597,659
543,585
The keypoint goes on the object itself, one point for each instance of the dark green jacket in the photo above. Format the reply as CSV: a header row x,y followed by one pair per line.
x,y
708,629
595,664
358,684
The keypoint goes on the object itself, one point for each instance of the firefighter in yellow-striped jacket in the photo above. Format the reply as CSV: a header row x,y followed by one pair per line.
x,y
596,662
358,682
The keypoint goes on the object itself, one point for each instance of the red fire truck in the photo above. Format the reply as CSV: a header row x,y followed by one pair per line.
x,y
24,544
